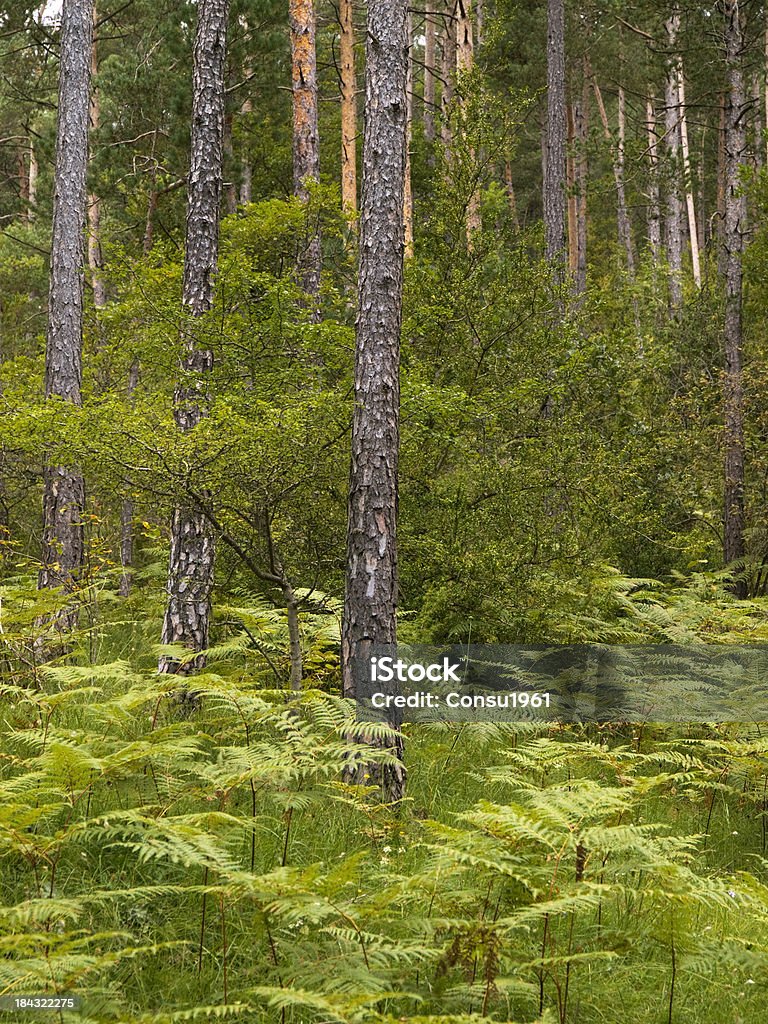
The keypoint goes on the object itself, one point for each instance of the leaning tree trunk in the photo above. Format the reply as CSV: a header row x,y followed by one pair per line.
x,y
555,164
733,235
190,571
64,488
371,584
306,147
348,107
673,222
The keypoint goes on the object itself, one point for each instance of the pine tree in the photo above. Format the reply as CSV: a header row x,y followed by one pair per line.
x,y
371,584
191,564
306,134
555,147
64,487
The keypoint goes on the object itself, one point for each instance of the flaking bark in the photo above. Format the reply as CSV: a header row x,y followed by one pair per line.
x,y
306,146
191,563
371,583
348,107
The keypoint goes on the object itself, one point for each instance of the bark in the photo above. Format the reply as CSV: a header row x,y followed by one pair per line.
x,y
509,185
570,167
95,254
720,218
306,147
674,208
480,21
230,190
757,106
430,46
735,226
654,204
555,173
447,75
246,172
191,563
407,185
581,167
64,488
465,56
348,107
32,190
23,179
687,178
371,579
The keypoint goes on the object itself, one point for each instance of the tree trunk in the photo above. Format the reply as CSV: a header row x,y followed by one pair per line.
x,y
447,75
33,173
371,584
64,488
688,178
570,178
654,203
407,185
306,146
126,512
674,209
735,224
581,130
246,173
509,185
348,107
465,57
190,572
430,46
95,255
554,179
617,157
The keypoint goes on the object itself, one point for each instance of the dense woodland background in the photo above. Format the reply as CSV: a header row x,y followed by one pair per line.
x,y
527,305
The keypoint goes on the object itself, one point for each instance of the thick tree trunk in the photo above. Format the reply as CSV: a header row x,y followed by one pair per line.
x,y
348,107
306,145
735,225
654,202
674,208
371,584
190,572
64,489
95,254
555,172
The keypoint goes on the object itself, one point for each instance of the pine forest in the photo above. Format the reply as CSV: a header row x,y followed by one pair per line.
x,y
330,327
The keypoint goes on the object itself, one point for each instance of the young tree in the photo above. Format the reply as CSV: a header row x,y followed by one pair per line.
x,y
190,570
733,241
555,148
673,223
306,144
371,584
64,488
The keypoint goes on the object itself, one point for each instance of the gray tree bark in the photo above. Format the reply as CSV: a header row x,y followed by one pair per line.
x,y
654,202
64,488
430,48
191,563
306,134
556,134
733,240
371,583
95,253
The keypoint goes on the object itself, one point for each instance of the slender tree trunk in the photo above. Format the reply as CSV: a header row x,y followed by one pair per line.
x,y
480,21
465,57
371,584
95,254
509,185
430,46
735,224
246,172
126,512
408,187
190,572
64,488
228,148
573,200
757,106
306,144
720,218
654,203
674,209
23,179
617,156
581,130
447,75
33,173
555,174
348,108
688,178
